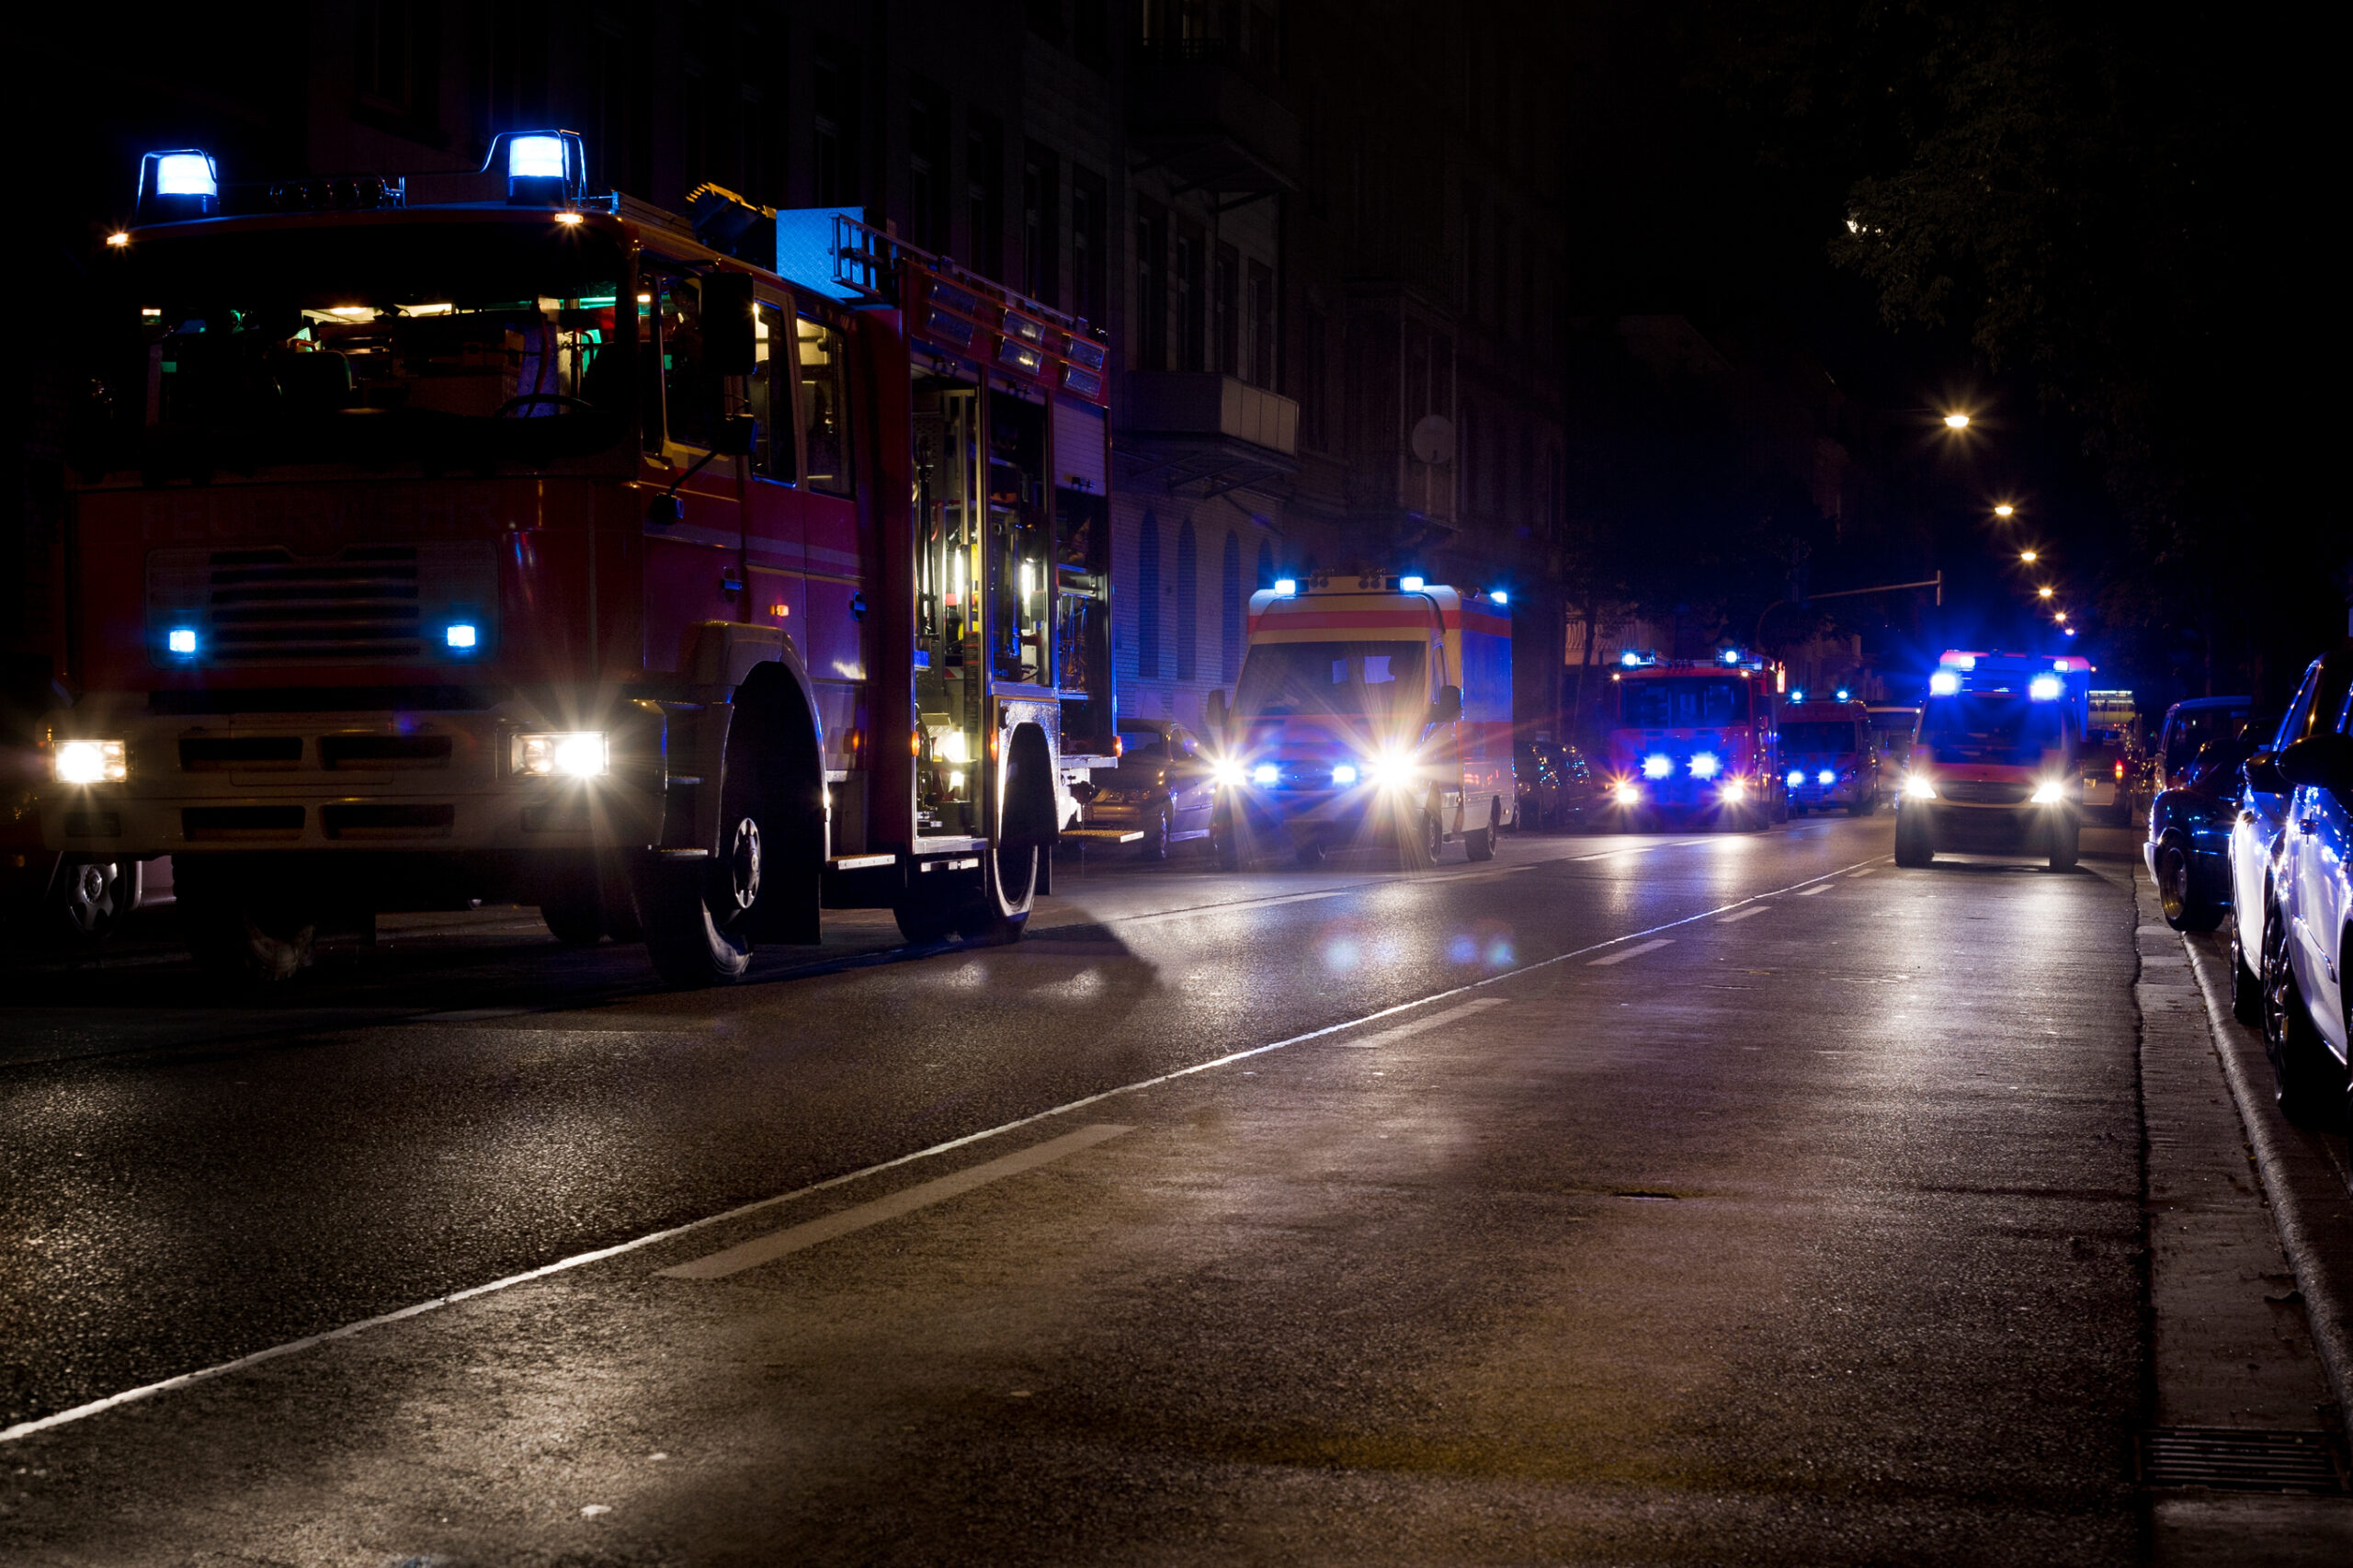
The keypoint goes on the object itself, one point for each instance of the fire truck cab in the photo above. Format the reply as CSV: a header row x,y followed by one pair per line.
x,y
1371,705
1697,741
527,543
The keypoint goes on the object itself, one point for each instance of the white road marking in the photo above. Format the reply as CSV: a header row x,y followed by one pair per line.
x,y
777,1244
655,1238
1653,945
1809,893
1864,872
1390,1037
1744,914
1245,904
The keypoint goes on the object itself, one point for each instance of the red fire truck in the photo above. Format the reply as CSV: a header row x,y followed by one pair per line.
x,y
1697,740
539,546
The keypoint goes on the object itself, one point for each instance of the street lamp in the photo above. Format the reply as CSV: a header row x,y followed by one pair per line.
x,y
2005,510
2042,593
2028,556
1956,422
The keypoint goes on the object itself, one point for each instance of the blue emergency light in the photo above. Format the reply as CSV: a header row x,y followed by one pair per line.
x,y
178,186
1731,655
462,636
2045,689
1797,696
1285,587
1843,694
1944,683
1410,584
1498,596
543,168
181,640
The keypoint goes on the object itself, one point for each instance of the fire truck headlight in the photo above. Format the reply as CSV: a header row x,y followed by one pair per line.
x,y
1264,773
1825,777
1346,773
578,754
1628,792
1705,765
1226,773
1658,765
462,636
181,640
2049,793
91,762
1797,777
1734,791
2044,688
1918,788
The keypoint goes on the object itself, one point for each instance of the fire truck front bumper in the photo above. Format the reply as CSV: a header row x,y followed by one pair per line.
x,y
131,782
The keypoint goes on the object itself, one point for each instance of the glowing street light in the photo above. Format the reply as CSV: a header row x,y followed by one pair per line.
x,y
2005,510
2028,556
1956,422
2042,593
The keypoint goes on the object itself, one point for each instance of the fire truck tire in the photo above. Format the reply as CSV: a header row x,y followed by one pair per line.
x,y
689,945
2066,837
1008,887
574,916
239,932
88,899
1481,845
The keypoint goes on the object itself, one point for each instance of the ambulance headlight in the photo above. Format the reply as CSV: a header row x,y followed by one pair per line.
x,y
91,762
1706,766
1658,765
2049,793
1628,792
1226,773
1388,770
577,754
1266,773
1825,777
1797,777
1346,773
1733,790
1918,788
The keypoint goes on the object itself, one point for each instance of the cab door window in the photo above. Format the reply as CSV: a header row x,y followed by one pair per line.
x,y
689,389
824,408
769,395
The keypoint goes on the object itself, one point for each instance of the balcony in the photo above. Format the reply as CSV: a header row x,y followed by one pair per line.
x,y
1200,112
1202,434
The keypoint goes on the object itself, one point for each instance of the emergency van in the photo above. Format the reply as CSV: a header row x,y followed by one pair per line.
x,y
1370,706
1993,768
1830,757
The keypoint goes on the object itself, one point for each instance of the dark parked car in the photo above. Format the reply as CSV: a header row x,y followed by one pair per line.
x,y
2189,725
2188,846
1163,787
1557,787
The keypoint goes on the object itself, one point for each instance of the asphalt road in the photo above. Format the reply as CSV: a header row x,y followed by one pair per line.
x,y
1738,1198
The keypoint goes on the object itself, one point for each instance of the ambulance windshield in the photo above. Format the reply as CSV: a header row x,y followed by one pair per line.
x,y
1370,680
463,342
1995,730
1823,737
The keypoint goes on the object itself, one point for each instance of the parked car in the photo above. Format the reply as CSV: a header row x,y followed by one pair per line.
x,y
2190,725
1557,787
2108,776
2262,812
2308,925
1163,787
2188,846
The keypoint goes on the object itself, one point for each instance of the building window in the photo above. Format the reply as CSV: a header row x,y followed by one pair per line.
x,y
984,196
1089,253
834,101
1090,32
1189,603
1262,325
396,61
1312,375
926,169
1148,599
1229,608
511,56
1151,288
1187,276
1046,20
621,151
1041,183
1226,310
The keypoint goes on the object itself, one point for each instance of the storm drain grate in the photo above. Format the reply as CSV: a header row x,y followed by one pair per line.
x,y
2231,1458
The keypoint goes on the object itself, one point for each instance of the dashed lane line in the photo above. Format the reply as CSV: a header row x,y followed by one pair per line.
x,y
655,1238
1809,893
1469,1010
1744,914
1653,945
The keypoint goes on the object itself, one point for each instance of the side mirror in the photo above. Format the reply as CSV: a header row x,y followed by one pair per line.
x,y
1213,710
2326,761
1449,706
736,435
729,344
2263,774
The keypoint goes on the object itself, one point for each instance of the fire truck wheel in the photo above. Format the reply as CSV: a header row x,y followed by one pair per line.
x,y
2066,836
1481,845
575,917
88,898
684,937
239,932
1008,887
1432,836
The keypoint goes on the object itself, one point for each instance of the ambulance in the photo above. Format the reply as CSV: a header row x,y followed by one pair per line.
x,y
1371,707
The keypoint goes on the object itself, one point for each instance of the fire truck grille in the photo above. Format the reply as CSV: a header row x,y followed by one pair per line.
x,y
1976,792
267,604
366,603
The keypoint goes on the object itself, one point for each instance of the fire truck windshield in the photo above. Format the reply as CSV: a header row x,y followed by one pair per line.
x,y
1822,737
1367,680
1682,702
1999,730
450,342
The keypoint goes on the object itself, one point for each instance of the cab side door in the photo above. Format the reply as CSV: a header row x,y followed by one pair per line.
x,y
1192,790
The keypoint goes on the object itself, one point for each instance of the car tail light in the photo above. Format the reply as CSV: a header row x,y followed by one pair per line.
x,y
2120,767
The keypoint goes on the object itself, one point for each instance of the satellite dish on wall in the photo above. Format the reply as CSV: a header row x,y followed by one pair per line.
x,y
1432,442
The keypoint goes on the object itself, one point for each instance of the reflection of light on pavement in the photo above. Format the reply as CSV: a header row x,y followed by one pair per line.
x,y
1342,954
1464,949
1500,953
1085,983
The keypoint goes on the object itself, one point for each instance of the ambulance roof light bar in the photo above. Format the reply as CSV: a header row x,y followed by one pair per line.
x,y
177,184
544,169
